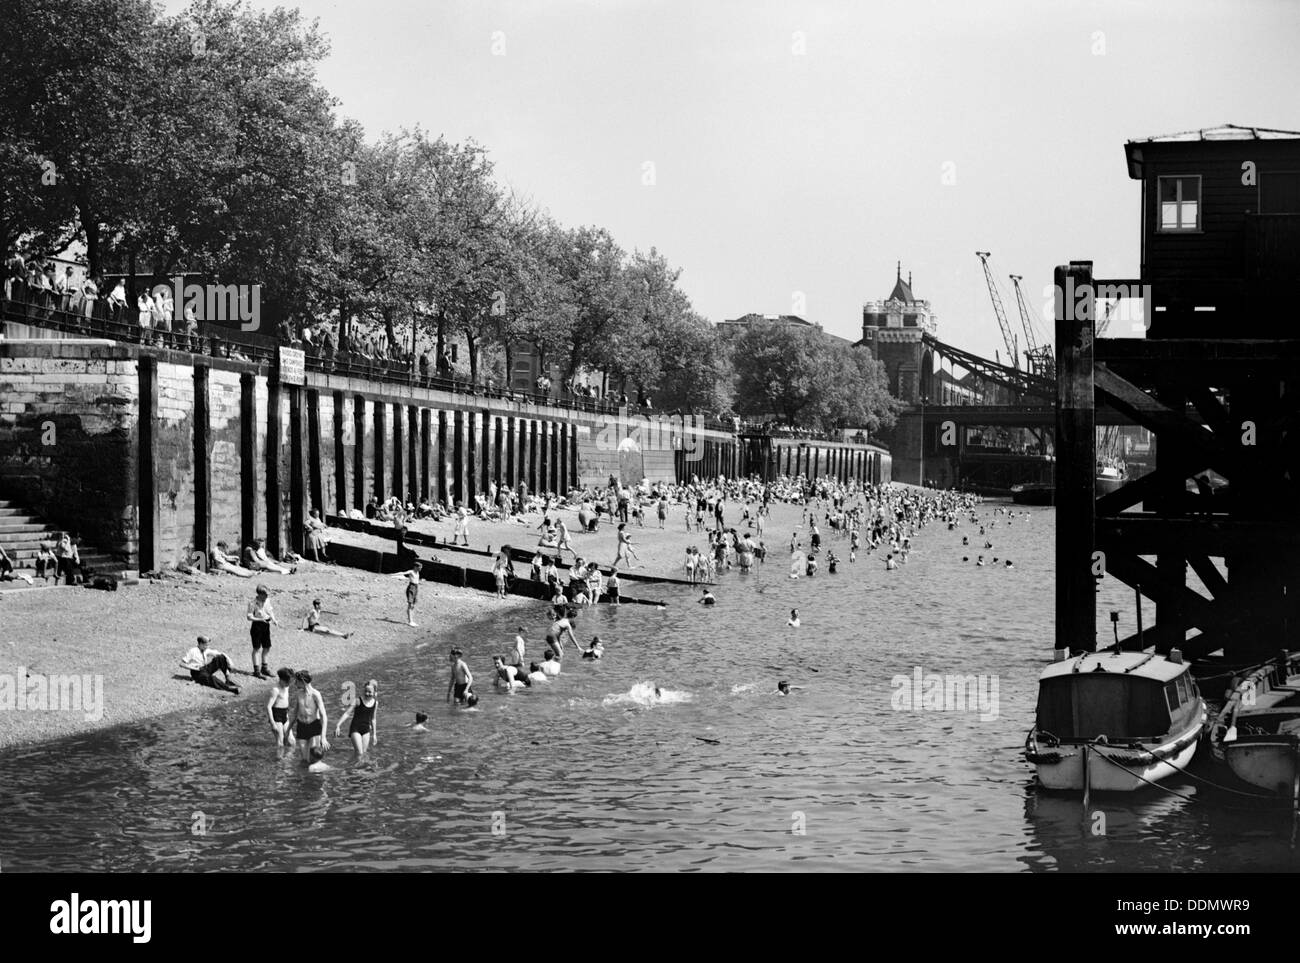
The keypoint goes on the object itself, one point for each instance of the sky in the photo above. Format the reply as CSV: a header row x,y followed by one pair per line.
x,y
785,155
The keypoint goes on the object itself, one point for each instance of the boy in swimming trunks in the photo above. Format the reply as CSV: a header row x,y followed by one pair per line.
x,y
312,623
261,616
277,708
460,678
412,576
611,587
310,716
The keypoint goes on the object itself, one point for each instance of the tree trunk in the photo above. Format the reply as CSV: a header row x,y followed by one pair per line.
x,y
471,344
441,331
510,364
389,330
91,226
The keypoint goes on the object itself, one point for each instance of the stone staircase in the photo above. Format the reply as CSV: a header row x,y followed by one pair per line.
x,y
21,534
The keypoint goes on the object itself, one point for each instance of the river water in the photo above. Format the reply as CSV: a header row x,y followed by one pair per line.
x,y
590,772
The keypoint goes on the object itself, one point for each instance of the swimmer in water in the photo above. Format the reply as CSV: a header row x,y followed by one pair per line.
x,y
658,693
890,564
965,540
965,558
794,619
595,650
707,598
831,561
317,762
785,688
1009,565
980,560
420,719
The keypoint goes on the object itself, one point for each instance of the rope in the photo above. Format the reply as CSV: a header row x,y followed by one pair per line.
x,y
1183,796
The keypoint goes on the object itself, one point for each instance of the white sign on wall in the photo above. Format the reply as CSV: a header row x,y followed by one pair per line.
x,y
292,366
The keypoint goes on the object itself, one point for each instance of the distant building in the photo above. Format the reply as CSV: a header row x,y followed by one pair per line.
x,y
735,326
892,330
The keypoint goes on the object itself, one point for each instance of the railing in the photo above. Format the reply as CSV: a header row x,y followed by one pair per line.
x,y
96,318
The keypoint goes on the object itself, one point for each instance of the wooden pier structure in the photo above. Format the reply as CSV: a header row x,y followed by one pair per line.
x,y
1212,534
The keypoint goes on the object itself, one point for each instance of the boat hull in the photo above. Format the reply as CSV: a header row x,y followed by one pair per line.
x,y
1114,768
1268,764
1033,494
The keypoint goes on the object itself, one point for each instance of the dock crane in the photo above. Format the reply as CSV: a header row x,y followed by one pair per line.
x,y
1038,357
1007,338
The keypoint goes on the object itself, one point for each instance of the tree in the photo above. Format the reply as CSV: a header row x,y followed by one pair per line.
x,y
800,375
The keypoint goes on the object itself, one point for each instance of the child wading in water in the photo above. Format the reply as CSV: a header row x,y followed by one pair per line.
x,y
277,708
364,731
261,616
412,576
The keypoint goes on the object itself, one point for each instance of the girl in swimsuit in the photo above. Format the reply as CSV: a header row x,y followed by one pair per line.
x,y
364,731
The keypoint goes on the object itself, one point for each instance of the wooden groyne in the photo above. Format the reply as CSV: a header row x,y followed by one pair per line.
x,y
447,573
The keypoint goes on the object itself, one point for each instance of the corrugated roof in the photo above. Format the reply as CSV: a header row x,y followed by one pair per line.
x,y
1222,132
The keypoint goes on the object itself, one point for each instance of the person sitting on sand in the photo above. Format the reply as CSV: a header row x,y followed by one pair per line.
x,y
255,558
7,570
203,662
224,561
312,623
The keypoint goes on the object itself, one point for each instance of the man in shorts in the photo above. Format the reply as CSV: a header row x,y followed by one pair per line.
x,y
310,716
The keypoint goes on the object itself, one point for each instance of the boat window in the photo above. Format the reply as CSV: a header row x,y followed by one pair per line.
x,y
1087,706
1184,691
1172,696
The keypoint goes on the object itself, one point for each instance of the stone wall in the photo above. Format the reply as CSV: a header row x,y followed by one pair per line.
x,y
68,436
149,457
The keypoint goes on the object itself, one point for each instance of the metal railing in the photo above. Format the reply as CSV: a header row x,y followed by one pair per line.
x,y
98,318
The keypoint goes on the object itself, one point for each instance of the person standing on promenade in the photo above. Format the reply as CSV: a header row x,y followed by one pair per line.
x,y
260,616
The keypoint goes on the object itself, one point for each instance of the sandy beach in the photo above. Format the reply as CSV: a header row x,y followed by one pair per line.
x,y
133,639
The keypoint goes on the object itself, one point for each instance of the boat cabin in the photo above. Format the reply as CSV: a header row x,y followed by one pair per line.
x,y
1126,697
1220,230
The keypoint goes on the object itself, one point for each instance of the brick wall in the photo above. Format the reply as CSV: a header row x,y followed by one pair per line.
x,y
68,435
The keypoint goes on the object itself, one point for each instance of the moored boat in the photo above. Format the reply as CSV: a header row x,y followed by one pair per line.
x,y
1033,493
1108,480
1256,735
1114,721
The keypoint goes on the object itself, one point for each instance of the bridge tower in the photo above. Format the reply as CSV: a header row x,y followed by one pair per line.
x,y
1215,380
894,329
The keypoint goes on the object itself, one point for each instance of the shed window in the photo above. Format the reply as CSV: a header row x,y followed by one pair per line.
x,y
1180,203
